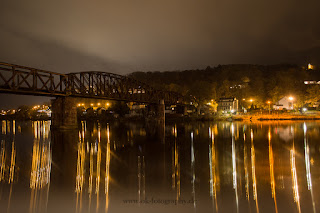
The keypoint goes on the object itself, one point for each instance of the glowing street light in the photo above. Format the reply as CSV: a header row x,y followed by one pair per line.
x,y
291,99
251,101
269,102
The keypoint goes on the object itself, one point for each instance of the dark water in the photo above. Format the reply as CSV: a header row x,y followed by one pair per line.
x,y
133,167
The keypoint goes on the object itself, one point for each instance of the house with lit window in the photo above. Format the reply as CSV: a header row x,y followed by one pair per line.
x,y
284,103
227,105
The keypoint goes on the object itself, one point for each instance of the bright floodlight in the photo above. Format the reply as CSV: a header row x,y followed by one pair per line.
x,y
304,109
291,98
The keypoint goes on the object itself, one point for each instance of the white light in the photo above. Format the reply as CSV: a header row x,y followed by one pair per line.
x,y
304,109
232,111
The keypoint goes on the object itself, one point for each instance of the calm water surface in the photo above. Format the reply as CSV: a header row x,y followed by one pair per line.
x,y
133,167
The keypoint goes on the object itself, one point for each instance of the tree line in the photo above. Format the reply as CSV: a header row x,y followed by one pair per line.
x,y
261,83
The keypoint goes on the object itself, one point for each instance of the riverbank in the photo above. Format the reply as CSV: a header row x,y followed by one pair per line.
x,y
277,117
247,117
181,118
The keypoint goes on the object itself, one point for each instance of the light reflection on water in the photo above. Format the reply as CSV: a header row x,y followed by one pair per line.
x,y
193,167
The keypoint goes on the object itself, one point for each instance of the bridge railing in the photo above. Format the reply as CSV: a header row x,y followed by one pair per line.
x,y
24,80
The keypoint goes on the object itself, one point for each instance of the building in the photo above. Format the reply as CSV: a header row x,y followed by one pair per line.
x,y
311,82
310,67
137,110
284,103
226,105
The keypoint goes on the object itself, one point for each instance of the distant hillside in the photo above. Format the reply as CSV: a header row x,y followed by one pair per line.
x,y
240,80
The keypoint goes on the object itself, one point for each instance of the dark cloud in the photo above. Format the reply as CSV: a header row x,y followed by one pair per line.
x,y
21,48
162,35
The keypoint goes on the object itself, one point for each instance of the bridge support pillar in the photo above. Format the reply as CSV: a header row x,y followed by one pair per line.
x,y
64,113
161,111
161,115
185,110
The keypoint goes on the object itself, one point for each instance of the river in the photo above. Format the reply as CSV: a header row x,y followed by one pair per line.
x,y
182,167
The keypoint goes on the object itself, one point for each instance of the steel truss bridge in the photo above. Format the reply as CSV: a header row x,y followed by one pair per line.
x,y
16,79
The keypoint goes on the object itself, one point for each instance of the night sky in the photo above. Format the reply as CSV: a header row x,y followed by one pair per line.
x,y
123,36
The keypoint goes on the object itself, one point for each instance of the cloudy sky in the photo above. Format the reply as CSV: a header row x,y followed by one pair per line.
x,y
123,36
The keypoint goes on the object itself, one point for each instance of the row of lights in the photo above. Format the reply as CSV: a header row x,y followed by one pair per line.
x,y
269,102
99,104
40,106
13,111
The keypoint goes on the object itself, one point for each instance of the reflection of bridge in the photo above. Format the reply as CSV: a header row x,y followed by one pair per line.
x,y
17,79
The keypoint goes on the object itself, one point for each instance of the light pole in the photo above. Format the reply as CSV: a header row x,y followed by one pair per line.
x,y
291,99
251,101
269,102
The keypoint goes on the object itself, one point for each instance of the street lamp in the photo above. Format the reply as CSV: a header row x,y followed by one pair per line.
x,y
251,101
269,102
291,99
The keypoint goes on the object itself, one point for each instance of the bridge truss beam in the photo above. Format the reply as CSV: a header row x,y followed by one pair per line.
x,y
18,79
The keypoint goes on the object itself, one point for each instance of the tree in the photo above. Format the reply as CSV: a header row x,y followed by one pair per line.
x,y
120,108
313,94
203,91
275,94
224,89
23,112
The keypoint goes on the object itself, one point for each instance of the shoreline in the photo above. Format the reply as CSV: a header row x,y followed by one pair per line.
x,y
285,117
275,117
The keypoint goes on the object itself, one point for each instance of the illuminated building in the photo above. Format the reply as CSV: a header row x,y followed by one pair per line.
x,y
226,105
